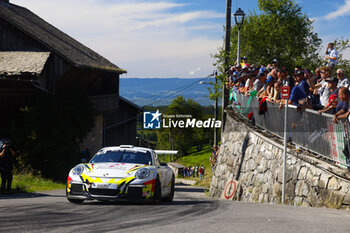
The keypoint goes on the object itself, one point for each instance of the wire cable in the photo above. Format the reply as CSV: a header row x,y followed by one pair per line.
x,y
178,90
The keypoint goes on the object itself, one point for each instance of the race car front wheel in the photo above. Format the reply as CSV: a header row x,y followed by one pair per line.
x,y
172,191
72,200
75,201
157,191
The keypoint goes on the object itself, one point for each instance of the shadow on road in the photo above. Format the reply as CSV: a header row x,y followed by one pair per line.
x,y
23,195
190,190
122,202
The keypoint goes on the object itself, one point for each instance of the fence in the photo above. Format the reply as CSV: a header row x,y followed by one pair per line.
x,y
307,128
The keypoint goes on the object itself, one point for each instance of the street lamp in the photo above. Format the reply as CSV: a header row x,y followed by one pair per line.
x,y
239,19
216,109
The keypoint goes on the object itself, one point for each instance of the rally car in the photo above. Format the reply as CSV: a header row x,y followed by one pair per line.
x,y
121,172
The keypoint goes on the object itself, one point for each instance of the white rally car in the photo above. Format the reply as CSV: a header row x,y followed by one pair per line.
x,y
122,172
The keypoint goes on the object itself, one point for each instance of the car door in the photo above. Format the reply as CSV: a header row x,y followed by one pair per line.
x,y
160,169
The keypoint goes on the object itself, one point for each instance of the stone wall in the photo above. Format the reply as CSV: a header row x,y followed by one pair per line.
x,y
255,159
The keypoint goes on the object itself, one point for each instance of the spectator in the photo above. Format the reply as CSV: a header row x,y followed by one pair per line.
x,y
244,62
282,75
274,64
331,56
298,92
330,89
189,171
327,90
197,170
275,96
343,81
201,172
249,84
321,84
269,89
308,78
331,106
302,82
317,76
213,158
343,106
7,155
290,81
262,70
259,82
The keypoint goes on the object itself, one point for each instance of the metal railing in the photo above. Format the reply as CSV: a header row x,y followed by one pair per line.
x,y
306,128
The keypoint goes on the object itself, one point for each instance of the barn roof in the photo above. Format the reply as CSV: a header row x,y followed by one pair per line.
x,y
17,63
55,40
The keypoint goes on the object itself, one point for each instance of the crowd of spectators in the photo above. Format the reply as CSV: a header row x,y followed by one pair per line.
x,y
318,90
194,171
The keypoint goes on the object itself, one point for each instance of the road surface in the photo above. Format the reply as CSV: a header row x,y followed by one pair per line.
x,y
191,211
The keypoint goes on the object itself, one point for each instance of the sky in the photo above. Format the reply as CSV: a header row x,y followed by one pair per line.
x,y
168,38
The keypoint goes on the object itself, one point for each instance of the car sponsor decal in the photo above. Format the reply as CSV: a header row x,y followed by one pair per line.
x,y
137,167
148,191
89,167
88,179
68,183
119,182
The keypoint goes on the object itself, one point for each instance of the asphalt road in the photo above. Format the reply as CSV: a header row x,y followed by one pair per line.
x,y
190,211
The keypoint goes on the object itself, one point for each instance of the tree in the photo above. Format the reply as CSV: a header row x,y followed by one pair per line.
x,y
281,31
181,139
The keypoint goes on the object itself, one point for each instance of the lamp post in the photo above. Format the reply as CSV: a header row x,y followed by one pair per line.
x,y
239,19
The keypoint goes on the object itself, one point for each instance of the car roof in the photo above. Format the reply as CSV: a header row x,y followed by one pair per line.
x,y
126,147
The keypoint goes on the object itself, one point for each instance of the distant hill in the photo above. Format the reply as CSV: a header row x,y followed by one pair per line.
x,y
161,91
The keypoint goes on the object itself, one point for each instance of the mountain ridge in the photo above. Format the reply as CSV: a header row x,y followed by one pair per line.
x,y
161,91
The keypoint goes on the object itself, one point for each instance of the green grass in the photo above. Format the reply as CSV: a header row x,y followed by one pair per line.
x,y
28,183
200,157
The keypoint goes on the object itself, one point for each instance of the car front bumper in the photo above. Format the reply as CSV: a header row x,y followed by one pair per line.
x,y
131,192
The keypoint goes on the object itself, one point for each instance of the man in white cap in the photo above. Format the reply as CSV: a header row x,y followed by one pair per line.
x,y
331,56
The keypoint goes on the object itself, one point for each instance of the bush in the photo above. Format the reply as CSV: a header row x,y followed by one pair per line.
x,y
47,134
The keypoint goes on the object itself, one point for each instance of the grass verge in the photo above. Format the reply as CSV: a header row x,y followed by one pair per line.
x,y
200,157
28,183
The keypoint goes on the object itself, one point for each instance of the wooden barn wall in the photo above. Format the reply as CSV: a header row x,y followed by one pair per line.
x,y
54,68
93,82
93,140
124,133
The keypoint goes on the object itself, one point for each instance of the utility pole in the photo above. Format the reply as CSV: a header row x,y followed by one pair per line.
x,y
226,65
216,109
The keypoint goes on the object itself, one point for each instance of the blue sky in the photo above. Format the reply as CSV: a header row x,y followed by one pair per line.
x,y
167,38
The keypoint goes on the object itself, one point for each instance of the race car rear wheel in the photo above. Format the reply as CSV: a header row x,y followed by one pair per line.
x,y
172,191
157,191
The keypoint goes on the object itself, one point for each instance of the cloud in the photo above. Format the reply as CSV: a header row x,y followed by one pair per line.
x,y
192,72
342,11
148,38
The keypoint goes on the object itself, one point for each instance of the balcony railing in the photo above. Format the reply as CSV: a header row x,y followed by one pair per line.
x,y
306,128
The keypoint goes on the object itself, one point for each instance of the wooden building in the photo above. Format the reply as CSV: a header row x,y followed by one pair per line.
x,y
37,57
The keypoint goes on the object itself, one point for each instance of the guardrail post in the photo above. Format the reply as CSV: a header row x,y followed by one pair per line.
x,y
285,151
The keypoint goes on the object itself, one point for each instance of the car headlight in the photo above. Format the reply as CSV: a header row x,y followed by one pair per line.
x,y
142,173
77,170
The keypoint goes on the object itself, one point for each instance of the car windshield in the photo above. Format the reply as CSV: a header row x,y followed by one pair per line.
x,y
123,157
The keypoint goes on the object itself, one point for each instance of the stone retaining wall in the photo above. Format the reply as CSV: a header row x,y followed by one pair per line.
x,y
309,181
